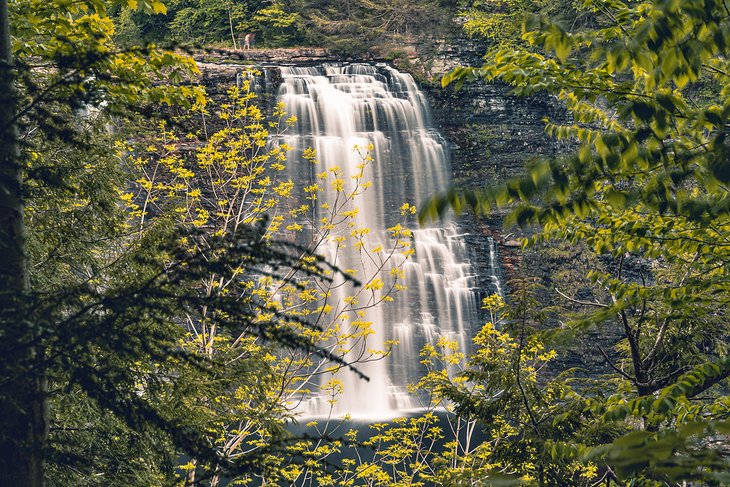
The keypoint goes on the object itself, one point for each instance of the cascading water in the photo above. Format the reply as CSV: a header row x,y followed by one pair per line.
x,y
337,109
494,267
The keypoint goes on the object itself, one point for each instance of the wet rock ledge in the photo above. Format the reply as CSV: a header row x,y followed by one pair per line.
x,y
296,55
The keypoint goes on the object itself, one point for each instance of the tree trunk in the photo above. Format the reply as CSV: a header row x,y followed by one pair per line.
x,y
230,24
23,418
190,476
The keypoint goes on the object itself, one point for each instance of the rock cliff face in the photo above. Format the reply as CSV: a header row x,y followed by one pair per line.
x,y
259,56
492,135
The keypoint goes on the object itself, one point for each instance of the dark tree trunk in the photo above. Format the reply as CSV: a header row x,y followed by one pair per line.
x,y
23,421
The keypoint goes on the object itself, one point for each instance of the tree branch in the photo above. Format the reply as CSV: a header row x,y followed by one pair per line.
x,y
614,367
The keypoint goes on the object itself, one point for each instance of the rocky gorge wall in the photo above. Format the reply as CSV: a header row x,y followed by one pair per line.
x,y
491,133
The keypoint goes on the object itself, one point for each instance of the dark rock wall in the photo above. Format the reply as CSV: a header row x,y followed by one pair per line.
x,y
493,134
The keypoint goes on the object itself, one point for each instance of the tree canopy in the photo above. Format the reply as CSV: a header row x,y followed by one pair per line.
x,y
158,326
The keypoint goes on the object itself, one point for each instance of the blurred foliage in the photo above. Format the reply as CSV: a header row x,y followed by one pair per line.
x,y
646,185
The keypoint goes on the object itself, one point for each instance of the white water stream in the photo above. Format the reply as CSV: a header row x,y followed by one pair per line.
x,y
338,108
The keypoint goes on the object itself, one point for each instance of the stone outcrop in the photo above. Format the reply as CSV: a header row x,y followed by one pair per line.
x,y
294,55
491,133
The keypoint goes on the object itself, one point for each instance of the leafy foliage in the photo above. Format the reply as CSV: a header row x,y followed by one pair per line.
x,y
68,63
647,183
356,26
223,184
111,297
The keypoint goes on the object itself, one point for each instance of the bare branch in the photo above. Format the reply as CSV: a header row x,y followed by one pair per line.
x,y
614,367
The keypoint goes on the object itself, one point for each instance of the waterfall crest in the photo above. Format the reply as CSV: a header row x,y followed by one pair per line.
x,y
339,107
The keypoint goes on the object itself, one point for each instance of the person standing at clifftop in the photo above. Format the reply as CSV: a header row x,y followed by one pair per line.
x,y
248,40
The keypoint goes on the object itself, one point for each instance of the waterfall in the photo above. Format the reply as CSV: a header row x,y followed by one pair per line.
x,y
339,107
